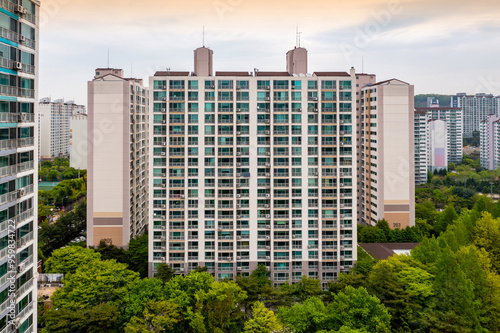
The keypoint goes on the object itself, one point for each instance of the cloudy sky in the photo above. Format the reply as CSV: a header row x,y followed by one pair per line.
x,y
440,46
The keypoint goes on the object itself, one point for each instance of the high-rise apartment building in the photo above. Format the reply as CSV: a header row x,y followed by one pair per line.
x,y
78,141
475,109
253,168
490,142
421,135
454,124
117,175
18,170
54,127
386,165
438,145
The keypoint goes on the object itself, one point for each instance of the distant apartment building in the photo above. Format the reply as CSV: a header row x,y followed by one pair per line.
x,y
475,109
386,173
490,142
253,168
78,141
19,50
421,136
54,127
117,175
438,145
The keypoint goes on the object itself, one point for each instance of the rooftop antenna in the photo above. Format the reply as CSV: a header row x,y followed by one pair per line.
x,y
203,36
168,71
297,41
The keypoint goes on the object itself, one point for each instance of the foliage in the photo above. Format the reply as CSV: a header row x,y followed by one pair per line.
x,y
67,259
263,320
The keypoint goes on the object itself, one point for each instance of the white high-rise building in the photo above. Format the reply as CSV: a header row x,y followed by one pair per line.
x,y
117,172
475,109
386,167
54,127
19,45
421,132
78,141
438,145
489,142
253,168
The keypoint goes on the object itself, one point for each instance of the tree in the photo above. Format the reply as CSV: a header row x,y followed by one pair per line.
x,y
137,255
306,288
487,236
216,310
112,252
101,318
164,272
262,321
68,259
93,284
159,316
357,309
310,316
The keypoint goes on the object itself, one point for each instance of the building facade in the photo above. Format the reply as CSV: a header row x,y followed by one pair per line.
x,y
253,168
438,145
54,127
489,143
18,171
117,175
78,141
386,151
421,134
475,109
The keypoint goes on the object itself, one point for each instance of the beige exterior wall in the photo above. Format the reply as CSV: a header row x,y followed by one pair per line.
x,y
78,142
117,172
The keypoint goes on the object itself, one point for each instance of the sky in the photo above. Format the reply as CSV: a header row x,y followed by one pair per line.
x,y
440,46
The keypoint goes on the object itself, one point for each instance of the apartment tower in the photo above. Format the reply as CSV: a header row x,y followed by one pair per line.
x,y
476,108
117,175
489,142
252,168
386,167
18,171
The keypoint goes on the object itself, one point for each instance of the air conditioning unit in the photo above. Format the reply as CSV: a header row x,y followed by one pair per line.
x,y
308,246
268,247
342,132
341,184
268,216
238,121
315,98
164,99
266,206
341,121
268,174
23,117
163,185
238,206
21,193
342,205
268,132
163,248
238,153
18,65
342,267
342,216
163,238
163,153
238,216
238,133
164,110
163,227
163,121
212,87
19,9
182,196
238,110
164,87
268,237
268,227
229,259
238,268
238,237
268,88
315,110
21,267
163,258
268,258
163,143
268,110
268,195
341,247
238,258
316,174
341,143
294,236
268,153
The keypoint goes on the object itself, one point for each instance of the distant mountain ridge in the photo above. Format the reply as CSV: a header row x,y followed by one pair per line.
x,y
421,100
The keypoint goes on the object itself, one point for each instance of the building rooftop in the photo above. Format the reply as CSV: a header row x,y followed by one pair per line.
x,y
437,108
232,74
331,74
171,73
382,251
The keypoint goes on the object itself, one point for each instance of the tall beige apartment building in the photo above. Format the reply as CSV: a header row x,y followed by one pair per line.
x,y
78,141
252,168
117,163
386,166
